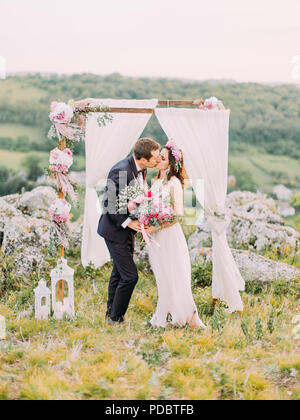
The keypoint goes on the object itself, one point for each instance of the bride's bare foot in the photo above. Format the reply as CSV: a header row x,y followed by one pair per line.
x,y
195,322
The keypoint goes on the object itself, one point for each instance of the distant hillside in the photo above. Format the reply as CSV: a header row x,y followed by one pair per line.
x,y
262,115
264,126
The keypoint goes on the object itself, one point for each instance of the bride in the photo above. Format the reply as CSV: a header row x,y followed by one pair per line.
x,y
171,261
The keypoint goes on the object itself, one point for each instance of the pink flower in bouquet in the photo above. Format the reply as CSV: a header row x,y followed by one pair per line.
x,y
131,206
140,199
149,195
143,219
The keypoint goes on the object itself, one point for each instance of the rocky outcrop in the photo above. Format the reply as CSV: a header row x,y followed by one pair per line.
x,y
25,227
251,265
256,225
34,203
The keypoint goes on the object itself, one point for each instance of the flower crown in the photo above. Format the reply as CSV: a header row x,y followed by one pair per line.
x,y
176,152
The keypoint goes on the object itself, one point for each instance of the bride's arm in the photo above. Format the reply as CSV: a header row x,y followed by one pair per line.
x,y
176,191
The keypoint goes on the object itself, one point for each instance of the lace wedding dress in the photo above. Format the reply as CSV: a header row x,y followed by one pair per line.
x,y
172,266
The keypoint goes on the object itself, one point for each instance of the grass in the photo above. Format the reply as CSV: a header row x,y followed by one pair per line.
x,y
251,356
15,130
294,221
13,160
19,91
261,165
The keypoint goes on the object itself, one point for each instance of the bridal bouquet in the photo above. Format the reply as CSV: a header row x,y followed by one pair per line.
x,y
149,209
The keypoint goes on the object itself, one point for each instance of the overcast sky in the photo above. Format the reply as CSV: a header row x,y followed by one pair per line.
x,y
245,40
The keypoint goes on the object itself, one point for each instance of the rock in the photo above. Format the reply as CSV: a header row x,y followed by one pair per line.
x,y
7,211
252,266
254,207
34,203
282,192
76,229
256,224
37,202
27,237
23,230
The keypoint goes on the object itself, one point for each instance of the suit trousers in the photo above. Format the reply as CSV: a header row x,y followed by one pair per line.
x,y
123,278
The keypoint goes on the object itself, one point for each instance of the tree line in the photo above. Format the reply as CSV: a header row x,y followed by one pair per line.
x,y
261,115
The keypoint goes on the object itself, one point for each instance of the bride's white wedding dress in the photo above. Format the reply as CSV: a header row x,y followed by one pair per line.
x,y
171,265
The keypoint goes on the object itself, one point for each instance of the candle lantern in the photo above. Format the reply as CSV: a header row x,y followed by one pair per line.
x,y
42,300
62,273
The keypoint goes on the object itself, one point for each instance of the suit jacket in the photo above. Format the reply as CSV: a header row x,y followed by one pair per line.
x,y
110,223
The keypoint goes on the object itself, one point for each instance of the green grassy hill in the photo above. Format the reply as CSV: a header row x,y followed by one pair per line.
x,y
16,130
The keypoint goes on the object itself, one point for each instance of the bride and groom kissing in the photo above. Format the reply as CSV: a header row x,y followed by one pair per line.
x,y
168,253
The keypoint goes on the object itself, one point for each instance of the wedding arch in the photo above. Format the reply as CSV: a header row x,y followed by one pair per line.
x,y
110,128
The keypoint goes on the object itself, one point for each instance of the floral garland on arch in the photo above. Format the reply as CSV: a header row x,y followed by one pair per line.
x,y
68,126
209,104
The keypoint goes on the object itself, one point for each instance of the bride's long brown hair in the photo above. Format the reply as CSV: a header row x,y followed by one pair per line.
x,y
181,173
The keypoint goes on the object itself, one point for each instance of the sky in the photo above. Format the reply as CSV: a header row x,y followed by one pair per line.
x,y
243,40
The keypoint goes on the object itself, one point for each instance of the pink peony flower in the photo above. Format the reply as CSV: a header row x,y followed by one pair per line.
x,y
211,103
140,199
143,219
61,113
131,206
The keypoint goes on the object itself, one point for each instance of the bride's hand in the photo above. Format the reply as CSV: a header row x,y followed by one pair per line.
x,y
151,229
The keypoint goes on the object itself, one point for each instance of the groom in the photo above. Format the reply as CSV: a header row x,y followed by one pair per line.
x,y
118,230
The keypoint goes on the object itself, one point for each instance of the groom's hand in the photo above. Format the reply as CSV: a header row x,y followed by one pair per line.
x,y
135,225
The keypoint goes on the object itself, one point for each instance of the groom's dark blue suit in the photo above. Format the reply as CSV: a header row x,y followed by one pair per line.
x,y
120,241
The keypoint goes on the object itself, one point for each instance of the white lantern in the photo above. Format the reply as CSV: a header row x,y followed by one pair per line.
x,y
64,273
42,300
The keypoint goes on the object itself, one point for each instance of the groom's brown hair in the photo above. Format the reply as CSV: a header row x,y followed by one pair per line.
x,y
144,148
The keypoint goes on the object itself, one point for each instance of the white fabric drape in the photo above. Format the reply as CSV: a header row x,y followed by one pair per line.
x,y
104,147
203,137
